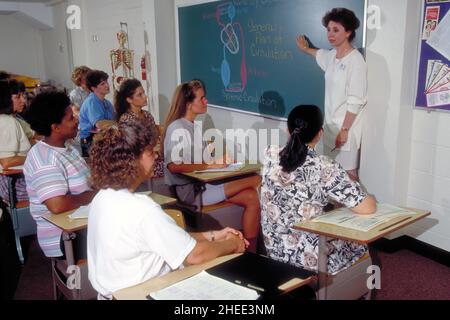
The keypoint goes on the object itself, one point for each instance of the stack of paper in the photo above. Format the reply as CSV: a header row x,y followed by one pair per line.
x,y
204,286
343,217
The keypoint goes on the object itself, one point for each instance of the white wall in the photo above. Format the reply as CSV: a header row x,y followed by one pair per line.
x,y
56,49
429,185
21,48
391,58
165,53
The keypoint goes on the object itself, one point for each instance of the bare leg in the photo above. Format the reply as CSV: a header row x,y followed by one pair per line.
x,y
234,187
243,192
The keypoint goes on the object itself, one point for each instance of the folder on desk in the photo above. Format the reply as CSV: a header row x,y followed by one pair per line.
x,y
260,273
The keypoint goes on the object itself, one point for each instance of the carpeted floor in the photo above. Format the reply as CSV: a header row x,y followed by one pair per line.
x,y
404,276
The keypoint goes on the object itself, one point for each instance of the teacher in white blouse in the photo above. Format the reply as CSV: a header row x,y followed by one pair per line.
x,y
345,88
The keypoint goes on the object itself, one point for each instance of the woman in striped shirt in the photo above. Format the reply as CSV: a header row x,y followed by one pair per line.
x,y
56,175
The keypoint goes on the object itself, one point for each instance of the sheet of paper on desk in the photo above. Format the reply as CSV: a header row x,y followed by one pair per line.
x,y
204,286
145,193
345,218
81,213
231,167
12,168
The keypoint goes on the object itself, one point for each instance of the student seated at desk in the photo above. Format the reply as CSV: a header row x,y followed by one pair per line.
x,y
14,143
96,112
129,102
130,238
296,185
188,102
57,176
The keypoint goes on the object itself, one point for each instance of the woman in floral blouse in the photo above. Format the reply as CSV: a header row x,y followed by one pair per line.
x,y
297,183
129,101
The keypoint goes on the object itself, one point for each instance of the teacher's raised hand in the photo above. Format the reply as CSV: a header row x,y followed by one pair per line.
x,y
303,46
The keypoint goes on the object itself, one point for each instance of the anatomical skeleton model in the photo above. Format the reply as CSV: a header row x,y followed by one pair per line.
x,y
121,57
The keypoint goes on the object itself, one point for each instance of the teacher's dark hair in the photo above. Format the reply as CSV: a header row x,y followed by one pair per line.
x,y
304,123
345,17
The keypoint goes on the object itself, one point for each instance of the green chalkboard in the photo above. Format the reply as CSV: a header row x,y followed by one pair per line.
x,y
246,54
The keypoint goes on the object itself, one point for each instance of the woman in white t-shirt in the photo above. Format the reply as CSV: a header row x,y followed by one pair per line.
x,y
345,88
14,143
130,238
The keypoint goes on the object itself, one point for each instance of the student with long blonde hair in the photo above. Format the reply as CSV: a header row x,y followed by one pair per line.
x,y
188,102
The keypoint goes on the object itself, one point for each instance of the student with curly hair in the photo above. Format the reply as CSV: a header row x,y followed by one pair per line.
x,y
81,92
130,238
57,176
129,102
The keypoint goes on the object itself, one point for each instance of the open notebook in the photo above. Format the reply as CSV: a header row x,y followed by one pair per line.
x,y
204,286
231,167
344,217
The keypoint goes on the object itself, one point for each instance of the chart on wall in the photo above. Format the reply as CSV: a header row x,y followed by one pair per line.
x,y
245,51
433,89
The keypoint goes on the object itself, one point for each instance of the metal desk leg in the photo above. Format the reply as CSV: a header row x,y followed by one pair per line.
x,y
68,247
323,268
15,217
68,237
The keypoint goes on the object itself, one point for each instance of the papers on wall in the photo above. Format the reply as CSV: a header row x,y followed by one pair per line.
x,y
437,85
431,21
231,167
343,217
81,213
439,38
204,286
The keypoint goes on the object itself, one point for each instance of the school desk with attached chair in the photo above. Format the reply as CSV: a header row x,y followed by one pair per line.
x,y
350,283
248,270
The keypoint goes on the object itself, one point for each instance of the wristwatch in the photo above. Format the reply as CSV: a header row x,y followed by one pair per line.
x,y
345,129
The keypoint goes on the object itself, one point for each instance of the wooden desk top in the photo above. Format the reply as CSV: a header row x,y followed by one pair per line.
x,y
361,237
140,291
67,224
215,176
162,200
10,172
